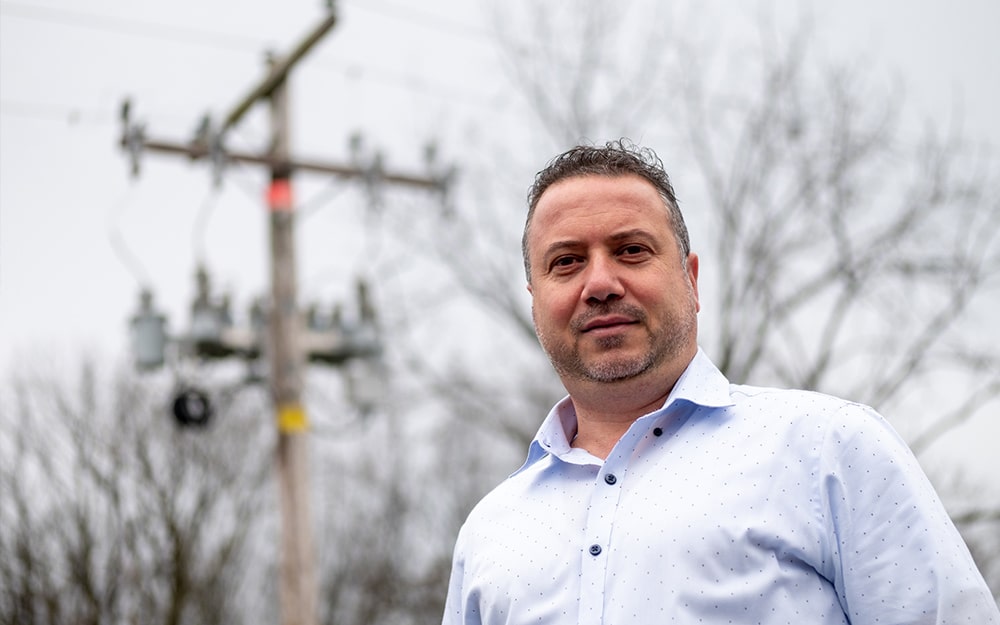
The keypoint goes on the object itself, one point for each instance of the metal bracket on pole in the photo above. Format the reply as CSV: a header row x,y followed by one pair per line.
x,y
133,136
217,156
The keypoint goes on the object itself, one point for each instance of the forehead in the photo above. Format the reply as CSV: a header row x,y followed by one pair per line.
x,y
598,203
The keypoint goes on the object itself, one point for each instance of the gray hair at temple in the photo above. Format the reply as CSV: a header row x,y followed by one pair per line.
x,y
615,158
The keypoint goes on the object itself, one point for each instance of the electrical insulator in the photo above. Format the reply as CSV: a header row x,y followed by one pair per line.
x,y
149,334
366,382
209,319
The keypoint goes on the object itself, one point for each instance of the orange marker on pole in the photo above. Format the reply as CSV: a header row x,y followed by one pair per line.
x,y
279,195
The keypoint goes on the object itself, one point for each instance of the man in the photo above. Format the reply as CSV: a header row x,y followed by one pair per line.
x,y
658,492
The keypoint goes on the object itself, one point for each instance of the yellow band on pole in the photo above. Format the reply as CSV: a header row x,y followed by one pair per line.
x,y
292,418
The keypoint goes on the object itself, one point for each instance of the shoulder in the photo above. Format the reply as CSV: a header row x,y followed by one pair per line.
x,y
796,400
801,408
812,424
506,498
531,511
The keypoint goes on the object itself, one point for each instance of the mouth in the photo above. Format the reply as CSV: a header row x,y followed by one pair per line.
x,y
607,323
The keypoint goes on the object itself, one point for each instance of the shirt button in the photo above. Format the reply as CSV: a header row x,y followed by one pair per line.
x,y
595,550
610,478
657,431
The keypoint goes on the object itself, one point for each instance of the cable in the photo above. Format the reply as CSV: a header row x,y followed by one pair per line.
x,y
200,226
227,41
410,15
117,241
53,112
242,180
216,39
126,26
331,191
409,82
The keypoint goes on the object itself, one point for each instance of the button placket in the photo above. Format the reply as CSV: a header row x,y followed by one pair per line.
x,y
600,524
597,551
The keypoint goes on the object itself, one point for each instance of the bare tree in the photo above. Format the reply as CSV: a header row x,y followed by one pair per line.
x,y
852,260
391,491
113,514
837,242
844,255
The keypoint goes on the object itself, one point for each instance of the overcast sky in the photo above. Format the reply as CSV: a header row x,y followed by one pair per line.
x,y
401,72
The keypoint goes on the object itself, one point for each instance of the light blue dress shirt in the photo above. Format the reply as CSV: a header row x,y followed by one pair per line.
x,y
731,504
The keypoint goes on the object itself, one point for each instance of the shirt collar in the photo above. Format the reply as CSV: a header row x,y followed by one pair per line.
x,y
701,384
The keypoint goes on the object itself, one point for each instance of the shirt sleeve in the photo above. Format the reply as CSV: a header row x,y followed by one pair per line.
x,y
897,557
455,610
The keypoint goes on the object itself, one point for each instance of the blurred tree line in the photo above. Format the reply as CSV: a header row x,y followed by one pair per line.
x,y
840,253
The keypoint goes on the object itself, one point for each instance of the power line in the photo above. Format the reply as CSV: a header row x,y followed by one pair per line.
x,y
44,111
427,19
228,41
130,26
70,114
412,83
187,34
119,245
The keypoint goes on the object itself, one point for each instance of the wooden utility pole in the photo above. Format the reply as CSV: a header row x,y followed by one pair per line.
x,y
298,576
285,349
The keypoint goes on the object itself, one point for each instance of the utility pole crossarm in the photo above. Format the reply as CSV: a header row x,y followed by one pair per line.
x,y
196,150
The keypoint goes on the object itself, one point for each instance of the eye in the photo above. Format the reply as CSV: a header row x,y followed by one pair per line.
x,y
633,250
564,263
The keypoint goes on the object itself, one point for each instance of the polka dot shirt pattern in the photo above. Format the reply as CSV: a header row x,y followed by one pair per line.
x,y
731,504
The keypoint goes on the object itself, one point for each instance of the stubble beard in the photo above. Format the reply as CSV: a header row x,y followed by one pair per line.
x,y
661,346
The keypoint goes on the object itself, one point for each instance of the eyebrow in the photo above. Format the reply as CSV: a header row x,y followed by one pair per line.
x,y
636,233
617,237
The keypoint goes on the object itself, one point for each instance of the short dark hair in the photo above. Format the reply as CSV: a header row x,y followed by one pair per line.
x,y
615,158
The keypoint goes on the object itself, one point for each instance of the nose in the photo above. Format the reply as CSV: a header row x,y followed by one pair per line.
x,y
601,281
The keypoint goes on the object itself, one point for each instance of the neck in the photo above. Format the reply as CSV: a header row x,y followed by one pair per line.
x,y
604,412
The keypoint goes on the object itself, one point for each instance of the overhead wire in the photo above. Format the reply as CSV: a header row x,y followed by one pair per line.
x,y
434,21
244,43
322,198
45,111
129,26
121,249
200,225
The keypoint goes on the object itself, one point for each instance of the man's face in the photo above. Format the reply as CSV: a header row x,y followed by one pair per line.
x,y
611,297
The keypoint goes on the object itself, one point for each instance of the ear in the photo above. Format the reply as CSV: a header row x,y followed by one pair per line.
x,y
528,286
692,271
